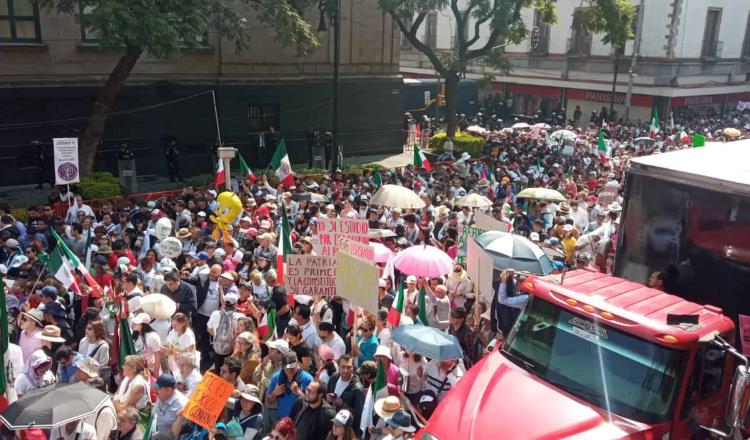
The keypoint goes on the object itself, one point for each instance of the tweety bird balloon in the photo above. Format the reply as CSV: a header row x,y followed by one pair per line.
x,y
230,207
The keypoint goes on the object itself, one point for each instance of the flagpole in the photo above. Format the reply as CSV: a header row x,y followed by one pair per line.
x,y
634,60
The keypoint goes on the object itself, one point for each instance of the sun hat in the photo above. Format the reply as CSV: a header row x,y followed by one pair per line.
x,y
400,420
89,366
50,333
387,406
36,316
343,418
142,318
246,336
251,393
183,233
383,350
279,344
227,276
57,310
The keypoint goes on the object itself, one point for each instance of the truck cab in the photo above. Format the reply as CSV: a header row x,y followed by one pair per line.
x,y
593,356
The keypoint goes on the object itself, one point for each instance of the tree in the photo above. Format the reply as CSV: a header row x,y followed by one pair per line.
x,y
484,27
162,29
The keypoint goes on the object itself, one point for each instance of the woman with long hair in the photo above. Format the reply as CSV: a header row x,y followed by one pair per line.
x,y
342,427
245,350
181,339
147,342
134,388
94,345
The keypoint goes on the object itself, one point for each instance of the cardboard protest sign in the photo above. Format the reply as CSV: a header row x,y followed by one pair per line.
x,y
479,265
357,281
484,221
332,231
357,249
208,400
465,234
311,275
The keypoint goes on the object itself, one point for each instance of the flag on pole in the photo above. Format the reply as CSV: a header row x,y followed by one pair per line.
x,y
377,179
423,306
394,314
247,172
88,249
285,245
220,177
654,128
377,390
420,160
281,165
671,121
60,267
73,263
3,346
698,140
267,325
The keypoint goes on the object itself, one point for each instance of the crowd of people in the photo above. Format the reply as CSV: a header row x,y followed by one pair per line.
x,y
309,378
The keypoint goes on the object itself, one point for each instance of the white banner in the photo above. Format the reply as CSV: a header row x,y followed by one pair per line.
x,y
66,160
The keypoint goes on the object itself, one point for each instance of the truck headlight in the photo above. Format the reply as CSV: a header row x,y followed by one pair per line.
x,y
427,436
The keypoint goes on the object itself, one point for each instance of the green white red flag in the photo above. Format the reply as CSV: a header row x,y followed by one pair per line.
x,y
220,177
73,263
285,244
247,172
281,164
394,314
654,128
377,390
420,160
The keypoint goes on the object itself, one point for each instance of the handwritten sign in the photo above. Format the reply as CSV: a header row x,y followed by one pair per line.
x,y
171,247
332,231
357,281
484,221
357,249
311,275
208,400
466,233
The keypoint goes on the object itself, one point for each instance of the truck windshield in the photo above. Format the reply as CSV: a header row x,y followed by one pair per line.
x,y
626,375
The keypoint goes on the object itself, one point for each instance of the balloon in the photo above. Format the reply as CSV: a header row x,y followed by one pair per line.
x,y
229,209
163,228
171,247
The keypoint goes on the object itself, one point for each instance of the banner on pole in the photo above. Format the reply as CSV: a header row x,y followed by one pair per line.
x,y
466,234
331,232
311,275
66,160
357,281
208,400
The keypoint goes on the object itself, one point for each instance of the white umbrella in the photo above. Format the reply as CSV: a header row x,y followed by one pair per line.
x,y
520,125
542,125
158,306
476,129
396,196
474,200
561,135
541,194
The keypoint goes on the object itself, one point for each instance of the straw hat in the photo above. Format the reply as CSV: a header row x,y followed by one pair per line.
x,y
36,316
183,233
50,333
89,366
387,406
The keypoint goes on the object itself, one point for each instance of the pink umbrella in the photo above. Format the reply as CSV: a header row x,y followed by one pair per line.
x,y
382,253
423,261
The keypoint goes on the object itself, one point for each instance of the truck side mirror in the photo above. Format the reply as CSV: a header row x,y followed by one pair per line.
x,y
739,398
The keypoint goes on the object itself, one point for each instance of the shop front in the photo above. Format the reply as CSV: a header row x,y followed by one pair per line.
x,y
594,101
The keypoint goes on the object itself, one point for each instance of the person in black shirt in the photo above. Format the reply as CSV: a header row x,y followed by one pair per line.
x,y
311,414
297,345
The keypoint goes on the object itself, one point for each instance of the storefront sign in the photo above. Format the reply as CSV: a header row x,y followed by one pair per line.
x,y
208,400
311,275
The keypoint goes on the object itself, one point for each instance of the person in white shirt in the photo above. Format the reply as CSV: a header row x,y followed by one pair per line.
x,y
180,339
328,336
441,376
78,205
187,376
147,342
76,430
36,374
579,215
13,366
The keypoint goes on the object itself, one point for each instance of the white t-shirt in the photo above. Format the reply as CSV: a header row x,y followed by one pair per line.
x,y
341,386
179,343
161,327
84,431
337,345
191,381
211,304
104,421
126,388
147,350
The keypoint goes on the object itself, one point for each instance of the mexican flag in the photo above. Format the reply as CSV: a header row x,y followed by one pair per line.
x,y
267,326
285,245
394,314
698,140
377,179
220,178
420,160
72,263
377,390
654,128
422,306
247,172
60,267
281,165
601,146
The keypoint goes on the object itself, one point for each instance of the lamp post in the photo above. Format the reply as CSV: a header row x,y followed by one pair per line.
x,y
332,8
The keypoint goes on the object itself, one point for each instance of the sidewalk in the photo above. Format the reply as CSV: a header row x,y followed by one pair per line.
x,y
21,196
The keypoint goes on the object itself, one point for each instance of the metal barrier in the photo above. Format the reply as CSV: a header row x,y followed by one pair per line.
x,y
61,208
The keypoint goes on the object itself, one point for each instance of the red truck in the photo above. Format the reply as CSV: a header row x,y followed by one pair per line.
x,y
598,357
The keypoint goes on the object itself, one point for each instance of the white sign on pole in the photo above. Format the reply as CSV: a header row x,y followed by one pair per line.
x,y
427,97
66,160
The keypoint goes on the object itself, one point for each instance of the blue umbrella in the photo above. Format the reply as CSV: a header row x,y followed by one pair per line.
x,y
427,341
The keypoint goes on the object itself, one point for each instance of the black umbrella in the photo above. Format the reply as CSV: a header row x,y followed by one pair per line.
x,y
54,405
515,251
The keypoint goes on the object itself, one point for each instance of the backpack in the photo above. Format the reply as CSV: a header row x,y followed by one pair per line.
x,y
223,343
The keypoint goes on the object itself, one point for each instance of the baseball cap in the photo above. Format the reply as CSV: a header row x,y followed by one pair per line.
x,y
343,418
279,344
290,360
411,279
534,236
231,298
49,291
165,381
200,214
202,255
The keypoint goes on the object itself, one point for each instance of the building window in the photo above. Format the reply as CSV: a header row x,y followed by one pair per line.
x,y
431,30
543,47
711,46
19,21
262,117
580,39
746,46
87,35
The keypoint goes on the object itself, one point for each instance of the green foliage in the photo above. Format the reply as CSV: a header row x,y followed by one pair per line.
x,y
162,28
99,185
462,141
613,18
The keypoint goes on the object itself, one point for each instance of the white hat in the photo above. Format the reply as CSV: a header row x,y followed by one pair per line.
x,y
464,157
279,344
219,252
89,366
382,283
227,276
343,418
303,299
614,206
201,214
231,298
142,318
383,350
212,192
19,260
265,224
534,236
123,261
411,279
